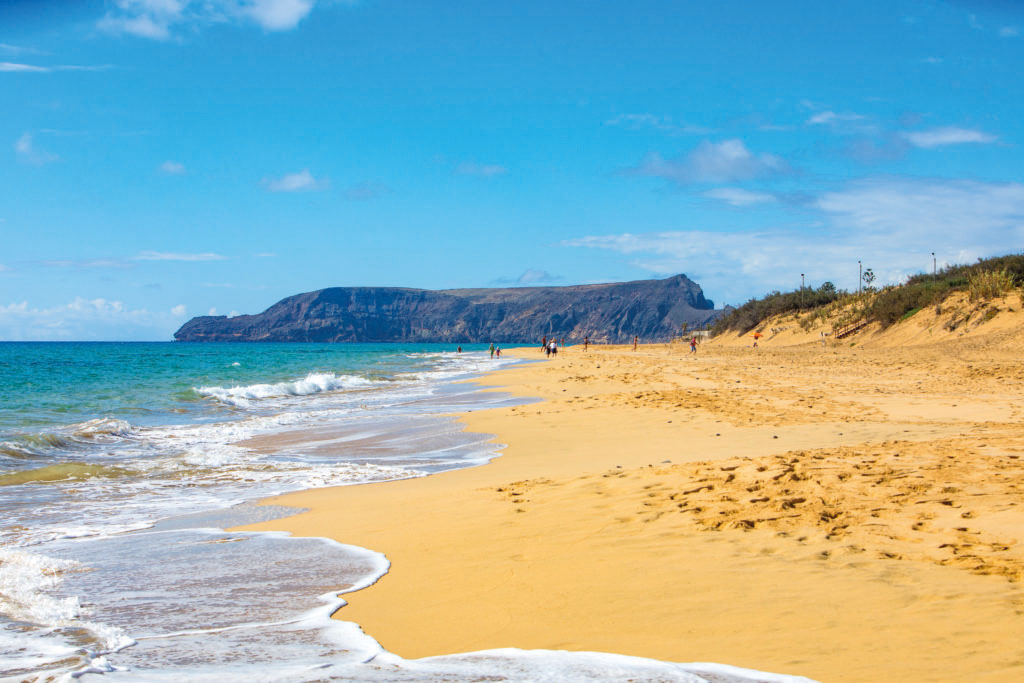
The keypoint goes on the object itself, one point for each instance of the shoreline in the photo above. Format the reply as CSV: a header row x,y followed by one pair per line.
x,y
577,539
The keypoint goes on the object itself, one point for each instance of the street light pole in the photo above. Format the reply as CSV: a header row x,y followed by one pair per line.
x,y
801,291
860,275
933,264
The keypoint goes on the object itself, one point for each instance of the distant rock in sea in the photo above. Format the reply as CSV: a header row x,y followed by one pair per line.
x,y
654,310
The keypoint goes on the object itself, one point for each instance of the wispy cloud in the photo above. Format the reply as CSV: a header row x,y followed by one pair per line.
x,y
533,276
726,161
161,19
175,256
303,181
740,197
932,60
947,135
16,67
483,170
832,118
891,224
85,264
172,168
8,49
1009,32
661,123
83,319
530,276
13,67
27,152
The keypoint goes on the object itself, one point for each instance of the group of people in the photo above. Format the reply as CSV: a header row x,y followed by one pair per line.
x,y
495,350
550,346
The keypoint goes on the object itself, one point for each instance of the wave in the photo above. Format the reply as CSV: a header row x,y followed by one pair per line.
x,y
30,446
313,383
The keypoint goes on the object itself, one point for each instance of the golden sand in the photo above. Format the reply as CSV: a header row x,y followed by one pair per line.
x,y
847,514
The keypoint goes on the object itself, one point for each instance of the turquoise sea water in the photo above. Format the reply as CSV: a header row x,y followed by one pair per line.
x,y
53,383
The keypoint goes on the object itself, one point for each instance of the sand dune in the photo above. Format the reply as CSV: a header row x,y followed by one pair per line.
x,y
840,513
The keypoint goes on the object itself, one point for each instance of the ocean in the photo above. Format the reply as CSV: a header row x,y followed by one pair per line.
x,y
122,464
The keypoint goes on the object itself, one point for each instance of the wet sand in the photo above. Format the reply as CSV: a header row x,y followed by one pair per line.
x,y
843,514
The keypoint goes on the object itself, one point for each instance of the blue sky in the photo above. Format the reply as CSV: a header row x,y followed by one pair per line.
x,y
161,159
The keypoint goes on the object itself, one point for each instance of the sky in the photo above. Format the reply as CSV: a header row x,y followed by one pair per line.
x,y
162,159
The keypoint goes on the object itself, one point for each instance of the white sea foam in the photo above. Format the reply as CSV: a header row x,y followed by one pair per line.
x,y
25,579
100,428
313,383
27,585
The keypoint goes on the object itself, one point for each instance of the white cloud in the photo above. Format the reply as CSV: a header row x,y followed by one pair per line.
x,y
163,19
27,68
484,170
85,263
533,276
83,319
279,15
1009,32
178,311
16,67
172,168
303,181
234,314
948,135
19,49
726,161
832,118
739,197
27,152
891,225
212,311
172,256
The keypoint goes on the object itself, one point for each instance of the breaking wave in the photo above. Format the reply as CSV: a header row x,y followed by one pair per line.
x,y
313,383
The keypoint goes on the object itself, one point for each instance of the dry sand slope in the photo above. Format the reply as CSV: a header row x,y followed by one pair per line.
x,y
844,514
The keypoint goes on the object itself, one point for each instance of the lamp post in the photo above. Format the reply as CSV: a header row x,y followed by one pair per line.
x,y
801,291
933,264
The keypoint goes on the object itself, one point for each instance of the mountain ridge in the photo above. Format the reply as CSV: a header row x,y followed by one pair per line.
x,y
654,310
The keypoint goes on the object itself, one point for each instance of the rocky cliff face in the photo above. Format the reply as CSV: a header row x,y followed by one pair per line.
x,y
654,310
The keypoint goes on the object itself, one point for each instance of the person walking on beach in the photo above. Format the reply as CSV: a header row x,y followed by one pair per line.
x,y
544,342
547,350
492,350
459,350
635,340
693,345
586,343
554,348
497,352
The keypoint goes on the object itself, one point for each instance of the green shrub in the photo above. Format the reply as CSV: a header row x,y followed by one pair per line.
x,y
988,278
751,314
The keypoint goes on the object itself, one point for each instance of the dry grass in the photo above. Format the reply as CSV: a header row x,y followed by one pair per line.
x,y
989,284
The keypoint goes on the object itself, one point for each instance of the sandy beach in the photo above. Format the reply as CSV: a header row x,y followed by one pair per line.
x,y
846,513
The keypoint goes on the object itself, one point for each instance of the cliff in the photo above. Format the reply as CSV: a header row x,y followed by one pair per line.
x,y
654,310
